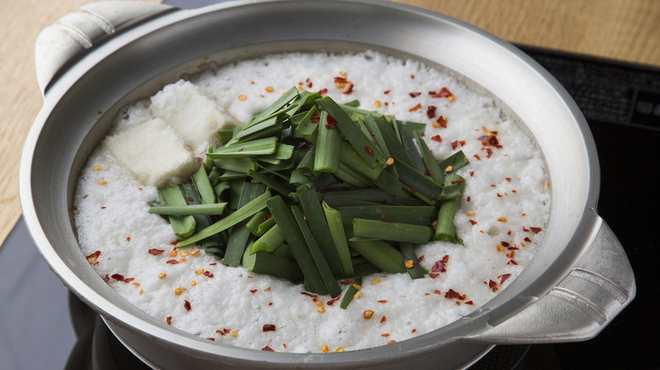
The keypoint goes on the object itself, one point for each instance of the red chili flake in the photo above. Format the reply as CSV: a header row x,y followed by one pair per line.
x,y
220,332
211,339
94,255
442,121
499,195
492,284
117,277
175,242
384,220
382,301
332,122
430,111
102,207
489,152
341,80
436,138
505,244
267,349
239,149
527,239
477,157
457,182
512,262
212,264
454,144
349,89
332,301
414,330
525,229
473,222
309,294
186,305
168,320
208,274
469,303
462,142
433,275
172,262
323,92
383,319
508,179
386,92
416,107
128,280
439,266
468,198
267,289
420,259
415,94
346,282
190,198
368,150
268,327
302,144
106,278
451,294
504,277
284,345
443,93
385,335
489,140
99,112
535,230
391,341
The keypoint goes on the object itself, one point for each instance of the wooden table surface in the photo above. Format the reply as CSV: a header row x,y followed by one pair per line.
x,y
626,30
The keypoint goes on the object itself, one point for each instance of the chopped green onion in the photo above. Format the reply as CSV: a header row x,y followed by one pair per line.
x,y
350,293
270,241
263,262
245,212
328,143
296,241
192,209
380,253
319,227
265,146
393,231
410,259
183,226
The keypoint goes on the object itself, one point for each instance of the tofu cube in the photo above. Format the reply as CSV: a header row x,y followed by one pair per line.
x,y
153,153
195,117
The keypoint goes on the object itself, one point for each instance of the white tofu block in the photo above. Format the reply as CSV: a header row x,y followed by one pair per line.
x,y
195,117
153,153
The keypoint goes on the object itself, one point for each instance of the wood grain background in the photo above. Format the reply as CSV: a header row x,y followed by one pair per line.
x,y
619,29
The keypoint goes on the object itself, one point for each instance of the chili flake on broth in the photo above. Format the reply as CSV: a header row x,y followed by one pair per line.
x,y
456,118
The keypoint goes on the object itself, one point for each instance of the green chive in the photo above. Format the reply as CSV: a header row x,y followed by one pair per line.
x,y
328,143
183,226
350,293
241,214
393,231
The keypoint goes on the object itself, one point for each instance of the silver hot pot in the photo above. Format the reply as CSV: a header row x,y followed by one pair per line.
x,y
94,61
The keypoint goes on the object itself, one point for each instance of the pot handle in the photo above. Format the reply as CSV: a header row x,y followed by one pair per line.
x,y
73,35
581,305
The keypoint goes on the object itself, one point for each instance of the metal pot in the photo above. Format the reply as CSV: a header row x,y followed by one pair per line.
x,y
92,62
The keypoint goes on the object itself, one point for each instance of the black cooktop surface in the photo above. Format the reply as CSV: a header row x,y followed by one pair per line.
x,y
622,105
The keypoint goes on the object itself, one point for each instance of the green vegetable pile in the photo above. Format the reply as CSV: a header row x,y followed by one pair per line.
x,y
314,191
